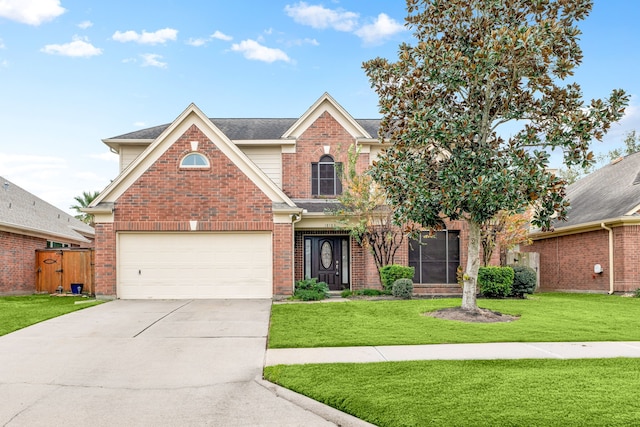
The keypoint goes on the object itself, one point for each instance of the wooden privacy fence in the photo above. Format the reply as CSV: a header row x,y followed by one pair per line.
x,y
64,267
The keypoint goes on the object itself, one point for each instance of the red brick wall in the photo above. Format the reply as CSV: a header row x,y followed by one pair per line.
x,y
18,263
283,259
166,198
296,167
166,193
566,262
105,260
626,250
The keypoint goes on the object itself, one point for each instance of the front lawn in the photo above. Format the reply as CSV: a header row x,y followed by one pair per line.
x,y
594,392
18,312
543,318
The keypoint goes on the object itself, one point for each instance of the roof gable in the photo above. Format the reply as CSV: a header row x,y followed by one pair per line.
x,y
191,116
328,104
610,192
23,213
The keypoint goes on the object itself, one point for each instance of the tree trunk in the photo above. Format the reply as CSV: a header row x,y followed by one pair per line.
x,y
473,264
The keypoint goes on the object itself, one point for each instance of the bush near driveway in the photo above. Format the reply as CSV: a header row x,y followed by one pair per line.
x,y
543,318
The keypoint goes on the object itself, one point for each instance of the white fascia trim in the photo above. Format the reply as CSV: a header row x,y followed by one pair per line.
x,y
585,227
633,211
191,116
115,144
34,232
326,103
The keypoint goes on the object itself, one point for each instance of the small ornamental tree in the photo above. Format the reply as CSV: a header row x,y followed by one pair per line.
x,y
364,212
476,65
505,231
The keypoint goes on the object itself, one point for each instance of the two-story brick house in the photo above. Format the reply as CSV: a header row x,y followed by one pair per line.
x,y
236,208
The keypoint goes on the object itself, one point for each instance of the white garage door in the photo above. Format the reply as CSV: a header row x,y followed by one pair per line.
x,y
194,265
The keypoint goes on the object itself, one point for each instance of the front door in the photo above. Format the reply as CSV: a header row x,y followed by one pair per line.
x,y
327,259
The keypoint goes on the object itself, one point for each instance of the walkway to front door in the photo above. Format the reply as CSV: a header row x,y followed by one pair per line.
x,y
327,259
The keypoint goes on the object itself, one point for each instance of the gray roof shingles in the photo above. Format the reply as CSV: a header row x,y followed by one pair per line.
x,y
20,209
245,129
607,193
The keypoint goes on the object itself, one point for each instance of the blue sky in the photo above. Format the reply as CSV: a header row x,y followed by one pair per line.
x,y
73,72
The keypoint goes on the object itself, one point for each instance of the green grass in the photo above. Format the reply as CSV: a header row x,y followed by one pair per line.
x,y
18,312
594,392
543,318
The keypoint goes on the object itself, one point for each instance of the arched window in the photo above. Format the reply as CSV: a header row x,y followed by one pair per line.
x,y
194,160
324,177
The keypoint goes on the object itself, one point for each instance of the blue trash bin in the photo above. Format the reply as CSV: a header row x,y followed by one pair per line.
x,y
76,288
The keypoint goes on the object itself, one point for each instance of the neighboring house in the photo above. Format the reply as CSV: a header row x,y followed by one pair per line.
x,y
28,223
598,248
236,208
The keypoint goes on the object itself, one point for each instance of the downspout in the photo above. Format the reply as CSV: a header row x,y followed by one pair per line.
x,y
611,268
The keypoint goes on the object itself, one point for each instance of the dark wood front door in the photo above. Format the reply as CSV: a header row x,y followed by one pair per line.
x,y
328,259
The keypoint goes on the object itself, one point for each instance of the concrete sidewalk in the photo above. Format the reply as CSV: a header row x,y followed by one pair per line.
x,y
488,351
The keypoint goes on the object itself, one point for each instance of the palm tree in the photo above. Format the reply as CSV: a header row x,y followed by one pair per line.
x,y
84,201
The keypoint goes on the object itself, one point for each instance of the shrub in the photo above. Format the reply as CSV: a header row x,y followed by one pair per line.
x,y
402,288
346,293
390,273
371,292
495,282
524,281
311,290
637,293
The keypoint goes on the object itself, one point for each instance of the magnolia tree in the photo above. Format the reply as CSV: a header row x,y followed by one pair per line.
x,y
476,65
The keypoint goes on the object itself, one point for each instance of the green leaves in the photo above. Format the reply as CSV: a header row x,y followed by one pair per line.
x,y
475,66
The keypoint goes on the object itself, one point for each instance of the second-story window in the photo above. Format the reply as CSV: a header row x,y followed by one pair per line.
x,y
325,180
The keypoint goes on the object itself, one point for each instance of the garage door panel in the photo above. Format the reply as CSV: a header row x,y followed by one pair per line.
x,y
194,265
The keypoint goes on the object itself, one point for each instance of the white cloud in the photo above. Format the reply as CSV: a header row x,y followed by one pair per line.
x,y
2,46
152,60
317,16
300,42
140,124
78,48
85,24
31,165
4,64
382,28
221,36
32,12
251,49
157,37
196,42
107,156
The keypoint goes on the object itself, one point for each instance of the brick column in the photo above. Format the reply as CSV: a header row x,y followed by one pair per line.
x,y
105,260
283,259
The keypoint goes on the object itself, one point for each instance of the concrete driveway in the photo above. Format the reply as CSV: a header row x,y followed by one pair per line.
x,y
145,363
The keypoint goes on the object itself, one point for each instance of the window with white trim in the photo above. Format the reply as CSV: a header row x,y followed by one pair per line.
x,y
194,160
325,180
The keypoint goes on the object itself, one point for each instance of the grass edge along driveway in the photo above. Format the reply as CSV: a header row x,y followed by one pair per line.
x,y
17,312
546,317
536,392
540,392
